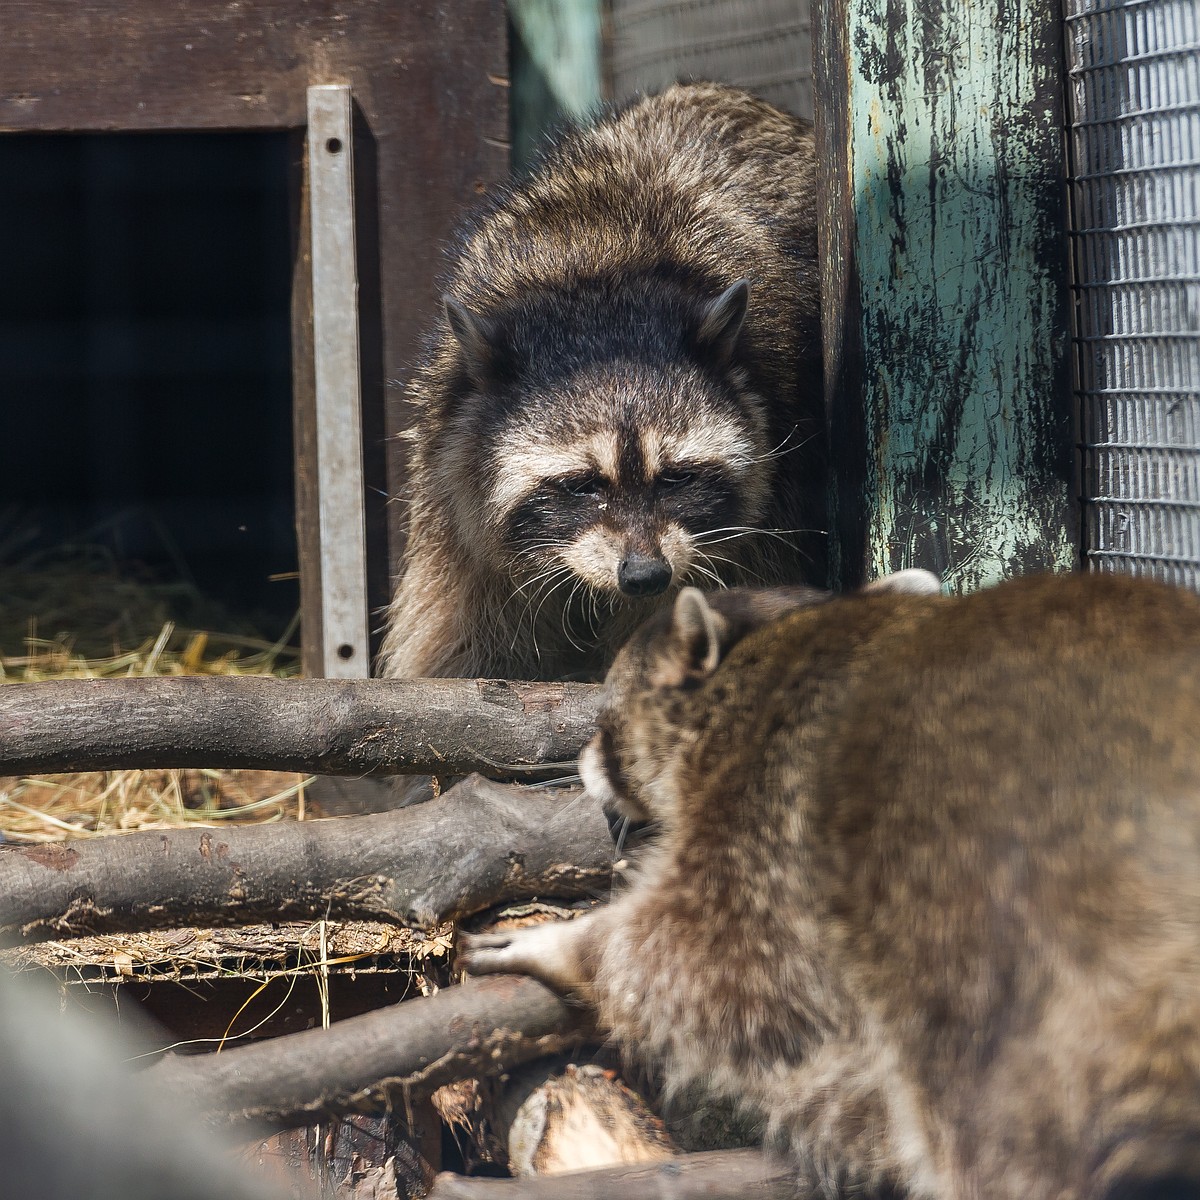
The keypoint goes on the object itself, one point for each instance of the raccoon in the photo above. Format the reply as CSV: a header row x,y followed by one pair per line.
x,y
926,897
623,396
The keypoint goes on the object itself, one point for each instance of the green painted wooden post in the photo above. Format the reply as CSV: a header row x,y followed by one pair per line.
x,y
556,68
945,287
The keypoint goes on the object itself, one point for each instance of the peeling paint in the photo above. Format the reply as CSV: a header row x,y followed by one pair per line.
x,y
955,118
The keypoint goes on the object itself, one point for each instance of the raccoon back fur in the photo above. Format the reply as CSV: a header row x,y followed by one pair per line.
x,y
926,890
623,395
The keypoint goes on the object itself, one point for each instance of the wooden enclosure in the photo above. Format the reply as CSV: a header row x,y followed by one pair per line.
x,y
430,134
945,289
948,325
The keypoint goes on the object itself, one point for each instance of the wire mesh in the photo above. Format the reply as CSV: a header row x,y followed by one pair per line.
x,y
1134,69
764,46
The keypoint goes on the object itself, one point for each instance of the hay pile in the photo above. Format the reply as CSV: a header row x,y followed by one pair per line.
x,y
77,614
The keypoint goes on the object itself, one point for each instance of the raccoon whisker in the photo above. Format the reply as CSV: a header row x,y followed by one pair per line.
x,y
532,587
621,835
566,575
529,768
547,584
566,615
536,579
536,549
716,541
540,588
565,811
561,781
730,532
735,531
705,572
738,566
779,450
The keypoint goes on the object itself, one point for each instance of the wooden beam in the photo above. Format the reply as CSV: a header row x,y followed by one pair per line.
x,y
477,846
944,289
709,1175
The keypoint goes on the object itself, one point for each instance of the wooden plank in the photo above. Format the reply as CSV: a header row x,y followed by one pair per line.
x,y
304,416
107,65
945,297
330,150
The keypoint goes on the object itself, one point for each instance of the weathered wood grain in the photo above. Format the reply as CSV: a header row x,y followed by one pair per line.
x,y
945,288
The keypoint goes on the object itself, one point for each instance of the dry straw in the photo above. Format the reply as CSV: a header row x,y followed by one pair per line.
x,y
89,606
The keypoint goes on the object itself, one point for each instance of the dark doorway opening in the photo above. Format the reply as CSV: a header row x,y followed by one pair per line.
x,y
145,371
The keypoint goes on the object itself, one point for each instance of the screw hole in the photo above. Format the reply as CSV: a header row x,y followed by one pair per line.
x,y
345,650
334,145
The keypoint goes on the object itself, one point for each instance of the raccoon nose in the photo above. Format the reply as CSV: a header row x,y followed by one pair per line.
x,y
641,575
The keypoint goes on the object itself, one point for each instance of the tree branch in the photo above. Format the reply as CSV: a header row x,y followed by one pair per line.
x,y
479,845
713,1175
323,726
410,1048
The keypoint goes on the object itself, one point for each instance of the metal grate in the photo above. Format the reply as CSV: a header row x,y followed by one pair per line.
x,y
764,46
1135,137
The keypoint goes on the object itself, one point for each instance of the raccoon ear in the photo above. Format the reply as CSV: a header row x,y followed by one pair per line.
x,y
479,338
912,581
699,638
722,319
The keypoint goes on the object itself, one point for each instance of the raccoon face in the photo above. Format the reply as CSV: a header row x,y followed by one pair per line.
x,y
627,495
621,448
646,718
652,702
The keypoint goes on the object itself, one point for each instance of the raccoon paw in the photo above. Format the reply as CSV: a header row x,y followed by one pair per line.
x,y
483,953
549,953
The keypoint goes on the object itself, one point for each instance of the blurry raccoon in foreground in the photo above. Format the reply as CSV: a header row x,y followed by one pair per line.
x,y
624,394
79,1122
927,891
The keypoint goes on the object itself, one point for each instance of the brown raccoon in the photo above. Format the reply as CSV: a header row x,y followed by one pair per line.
x,y
927,892
624,394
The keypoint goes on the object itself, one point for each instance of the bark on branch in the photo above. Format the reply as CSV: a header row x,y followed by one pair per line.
x,y
479,845
713,1175
410,1048
321,726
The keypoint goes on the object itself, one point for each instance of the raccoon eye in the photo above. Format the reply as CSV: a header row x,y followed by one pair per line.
x,y
672,480
583,487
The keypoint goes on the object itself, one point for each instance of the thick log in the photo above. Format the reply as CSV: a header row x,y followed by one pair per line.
x,y
713,1175
479,845
358,1064
321,726
556,1117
